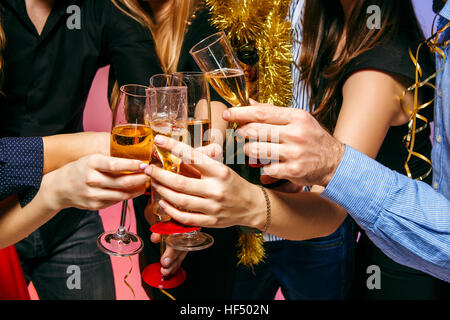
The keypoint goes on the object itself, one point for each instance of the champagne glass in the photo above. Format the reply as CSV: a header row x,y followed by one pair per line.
x,y
199,134
168,113
216,58
131,138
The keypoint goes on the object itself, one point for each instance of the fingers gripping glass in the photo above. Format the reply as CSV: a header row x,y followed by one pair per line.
x,y
198,122
131,138
199,127
168,113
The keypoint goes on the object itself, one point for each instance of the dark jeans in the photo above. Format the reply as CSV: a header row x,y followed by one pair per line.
x,y
396,281
318,269
63,260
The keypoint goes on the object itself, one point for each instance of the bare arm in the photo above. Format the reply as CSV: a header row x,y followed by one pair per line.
x,y
369,108
93,182
59,150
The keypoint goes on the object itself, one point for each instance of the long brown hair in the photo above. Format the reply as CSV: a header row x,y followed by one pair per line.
x,y
167,28
324,25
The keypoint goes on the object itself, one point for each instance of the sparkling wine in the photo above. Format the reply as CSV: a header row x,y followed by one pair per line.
x,y
132,142
199,132
230,84
170,129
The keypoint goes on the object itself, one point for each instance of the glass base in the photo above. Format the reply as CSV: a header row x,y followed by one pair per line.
x,y
192,241
171,227
120,245
153,277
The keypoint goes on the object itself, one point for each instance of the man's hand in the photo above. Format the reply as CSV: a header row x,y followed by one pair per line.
x,y
298,148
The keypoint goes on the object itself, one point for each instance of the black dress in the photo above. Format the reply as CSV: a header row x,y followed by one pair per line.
x,y
210,273
397,281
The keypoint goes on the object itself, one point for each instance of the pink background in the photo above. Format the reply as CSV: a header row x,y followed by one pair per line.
x,y
98,117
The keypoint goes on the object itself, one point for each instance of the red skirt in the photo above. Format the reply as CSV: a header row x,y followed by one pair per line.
x,y
12,280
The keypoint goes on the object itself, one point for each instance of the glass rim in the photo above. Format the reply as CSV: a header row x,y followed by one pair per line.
x,y
193,74
220,34
122,90
168,88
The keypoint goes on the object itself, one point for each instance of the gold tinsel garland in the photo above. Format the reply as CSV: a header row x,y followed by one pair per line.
x,y
264,25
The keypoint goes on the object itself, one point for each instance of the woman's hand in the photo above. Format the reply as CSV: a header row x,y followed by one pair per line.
x,y
95,182
219,198
298,148
171,260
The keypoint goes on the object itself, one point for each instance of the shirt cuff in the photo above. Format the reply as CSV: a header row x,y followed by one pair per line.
x,y
21,167
360,185
445,12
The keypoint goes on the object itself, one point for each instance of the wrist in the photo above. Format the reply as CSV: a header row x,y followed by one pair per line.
x,y
104,143
51,194
337,153
258,218
95,143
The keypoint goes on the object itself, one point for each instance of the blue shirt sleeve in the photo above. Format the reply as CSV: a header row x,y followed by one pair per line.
x,y
407,219
21,167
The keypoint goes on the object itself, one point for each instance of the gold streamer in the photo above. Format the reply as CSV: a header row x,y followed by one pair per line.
x,y
126,277
262,24
252,249
410,138
168,294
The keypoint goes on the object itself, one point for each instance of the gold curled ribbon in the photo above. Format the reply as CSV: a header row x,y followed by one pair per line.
x,y
414,115
131,265
168,294
126,277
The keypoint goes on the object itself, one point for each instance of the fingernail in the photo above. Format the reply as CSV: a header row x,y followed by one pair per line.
x,y
226,115
164,272
160,140
162,204
167,262
149,170
143,166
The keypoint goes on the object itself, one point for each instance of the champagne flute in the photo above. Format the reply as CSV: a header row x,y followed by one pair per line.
x,y
131,138
168,113
199,134
216,58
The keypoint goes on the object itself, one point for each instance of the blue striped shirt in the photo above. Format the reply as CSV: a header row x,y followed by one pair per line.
x,y
300,98
408,220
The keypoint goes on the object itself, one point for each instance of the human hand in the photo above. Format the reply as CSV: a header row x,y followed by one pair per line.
x,y
218,198
299,148
96,182
171,260
280,185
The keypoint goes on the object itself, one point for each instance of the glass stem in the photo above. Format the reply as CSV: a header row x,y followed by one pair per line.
x,y
191,235
122,231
